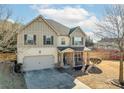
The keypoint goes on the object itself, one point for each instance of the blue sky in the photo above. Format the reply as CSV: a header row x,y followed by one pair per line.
x,y
25,11
70,15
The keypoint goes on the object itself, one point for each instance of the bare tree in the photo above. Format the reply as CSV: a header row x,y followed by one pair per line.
x,y
7,29
89,42
113,27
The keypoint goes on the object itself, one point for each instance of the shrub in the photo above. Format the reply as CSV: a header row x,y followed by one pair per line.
x,y
95,60
17,68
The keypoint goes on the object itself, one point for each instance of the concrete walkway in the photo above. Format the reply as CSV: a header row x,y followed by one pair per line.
x,y
51,79
80,85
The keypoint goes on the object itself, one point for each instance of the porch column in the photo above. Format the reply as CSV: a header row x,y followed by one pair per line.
x,y
62,64
73,59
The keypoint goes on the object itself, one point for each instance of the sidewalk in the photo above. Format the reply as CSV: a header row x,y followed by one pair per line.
x,y
80,85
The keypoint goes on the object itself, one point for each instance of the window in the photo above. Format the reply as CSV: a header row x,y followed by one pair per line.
x,y
77,41
29,39
63,41
48,40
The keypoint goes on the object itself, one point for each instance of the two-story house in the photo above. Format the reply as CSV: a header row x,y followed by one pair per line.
x,y
107,43
42,43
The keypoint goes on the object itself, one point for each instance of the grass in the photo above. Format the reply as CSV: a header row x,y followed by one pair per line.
x,y
110,71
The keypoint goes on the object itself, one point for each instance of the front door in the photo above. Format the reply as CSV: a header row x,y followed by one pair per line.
x,y
68,59
78,58
65,59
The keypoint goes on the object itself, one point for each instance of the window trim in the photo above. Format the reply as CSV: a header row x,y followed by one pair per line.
x,y
26,41
51,41
79,42
63,40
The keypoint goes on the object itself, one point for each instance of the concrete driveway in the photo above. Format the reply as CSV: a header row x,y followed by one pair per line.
x,y
51,79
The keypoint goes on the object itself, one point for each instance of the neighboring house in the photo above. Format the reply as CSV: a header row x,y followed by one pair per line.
x,y
107,43
43,43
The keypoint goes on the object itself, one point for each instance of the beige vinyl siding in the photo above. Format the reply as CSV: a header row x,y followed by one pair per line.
x,y
23,52
77,33
38,28
47,31
67,41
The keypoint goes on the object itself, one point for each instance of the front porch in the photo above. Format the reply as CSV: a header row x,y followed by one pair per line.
x,y
69,57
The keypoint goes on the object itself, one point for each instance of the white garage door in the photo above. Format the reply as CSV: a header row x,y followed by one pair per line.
x,y
38,62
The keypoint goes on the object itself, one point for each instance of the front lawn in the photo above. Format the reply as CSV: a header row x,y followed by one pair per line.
x,y
109,71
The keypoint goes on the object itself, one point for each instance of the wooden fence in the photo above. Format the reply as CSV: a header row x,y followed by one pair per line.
x,y
7,57
98,54
104,54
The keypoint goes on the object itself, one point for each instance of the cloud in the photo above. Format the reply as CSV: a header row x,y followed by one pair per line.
x,y
69,15
89,24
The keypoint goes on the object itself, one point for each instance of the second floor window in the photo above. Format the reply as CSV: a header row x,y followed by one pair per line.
x,y
29,39
48,40
77,41
63,41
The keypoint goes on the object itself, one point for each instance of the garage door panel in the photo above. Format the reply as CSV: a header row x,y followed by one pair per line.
x,y
38,62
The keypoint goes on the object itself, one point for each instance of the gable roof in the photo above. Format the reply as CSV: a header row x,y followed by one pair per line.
x,y
59,29
63,30
74,29
36,19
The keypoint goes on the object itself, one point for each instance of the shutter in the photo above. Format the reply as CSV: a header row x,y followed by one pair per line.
x,y
25,38
72,40
44,40
34,41
52,40
82,39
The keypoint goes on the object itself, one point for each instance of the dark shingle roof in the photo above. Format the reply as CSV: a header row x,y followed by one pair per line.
x,y
74,48
72,29
75,28
63,30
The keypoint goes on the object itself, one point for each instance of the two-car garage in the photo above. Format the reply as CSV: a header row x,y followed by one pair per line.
x,y
38,62
37,58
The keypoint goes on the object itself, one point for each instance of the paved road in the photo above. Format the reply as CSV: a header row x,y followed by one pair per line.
x,y
51,79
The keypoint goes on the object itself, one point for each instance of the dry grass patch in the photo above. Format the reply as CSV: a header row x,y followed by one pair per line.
x,y
110,70
7,57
